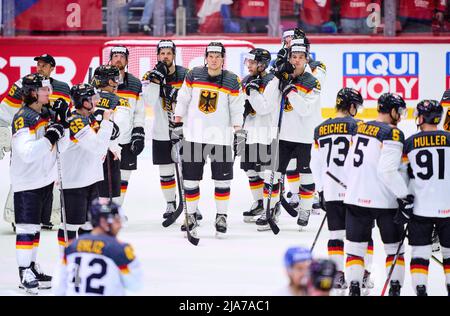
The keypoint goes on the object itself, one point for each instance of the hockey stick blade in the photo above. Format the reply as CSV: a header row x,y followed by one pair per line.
x,y
289,209
172,218
193,240
273,226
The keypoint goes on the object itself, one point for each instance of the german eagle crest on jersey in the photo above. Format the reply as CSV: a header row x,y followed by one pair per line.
x,y
208,101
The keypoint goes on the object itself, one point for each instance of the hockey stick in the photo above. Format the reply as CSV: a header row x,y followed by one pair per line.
x,y
61,196
391,270
291,211
332,176
272,224
108,167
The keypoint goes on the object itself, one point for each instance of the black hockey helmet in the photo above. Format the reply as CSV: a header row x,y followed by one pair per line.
x,y
106,210
348,96
445,101
33,82
388,101
260,55
82,92
322,273
430,110
215,47
166,43
103,74
119,49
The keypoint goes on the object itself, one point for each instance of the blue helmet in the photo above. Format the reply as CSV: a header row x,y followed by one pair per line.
x,y
296,254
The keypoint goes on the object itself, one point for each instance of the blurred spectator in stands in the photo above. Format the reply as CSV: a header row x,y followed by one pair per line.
x,y
354,15
215,17
315,16
253,15
147,14
419,16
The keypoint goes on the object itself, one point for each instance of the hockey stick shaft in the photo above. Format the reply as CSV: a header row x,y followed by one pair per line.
x,y
332,176
318,233
108,167
61,196
391,270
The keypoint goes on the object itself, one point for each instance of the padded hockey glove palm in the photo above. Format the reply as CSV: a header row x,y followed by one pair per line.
x,y
405,210
137,140
248,108
254,84
170,93
62,112
115,132
288,88
176,132
55,132
159,72
240,137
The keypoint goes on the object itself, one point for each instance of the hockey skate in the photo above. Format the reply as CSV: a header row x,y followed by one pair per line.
x,y
303,218
395,288
198,217
339,284
367,283
171,206
421,290
354,289
262,224
28,281
316,205
192,224
221,225
44,280
256,210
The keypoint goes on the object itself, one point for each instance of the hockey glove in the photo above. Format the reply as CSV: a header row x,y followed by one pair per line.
x,y
240,137
115,132
252,85
288,88
159,73
248,108
5,140
405,210
55,132
322,201
283,71
176,132
170,93
137,140
62,112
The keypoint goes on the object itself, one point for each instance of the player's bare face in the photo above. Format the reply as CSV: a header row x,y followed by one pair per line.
x,y
298,274
43,95
166,56
119,60
252,67
299,61
214,61
44,68
287,41
116,225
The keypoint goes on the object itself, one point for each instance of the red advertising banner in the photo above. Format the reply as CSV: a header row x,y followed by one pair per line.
x,y
61,15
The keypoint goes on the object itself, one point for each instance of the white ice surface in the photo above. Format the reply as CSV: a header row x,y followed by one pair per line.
x,y
247,262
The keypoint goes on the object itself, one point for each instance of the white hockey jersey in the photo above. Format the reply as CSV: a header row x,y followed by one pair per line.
x,y
258,123
82,161
374,156
152,95
210,107
302,111
131,89
427,154
97,265
332,141
33,158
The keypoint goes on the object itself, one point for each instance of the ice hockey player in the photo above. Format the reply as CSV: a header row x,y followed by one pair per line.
x,y
9,106
318,69
445,102
82,162
98,264
297,261
376,145
321,274
210,104
36,141
301,92
132,140
426,207
258,125
160,89
106,78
